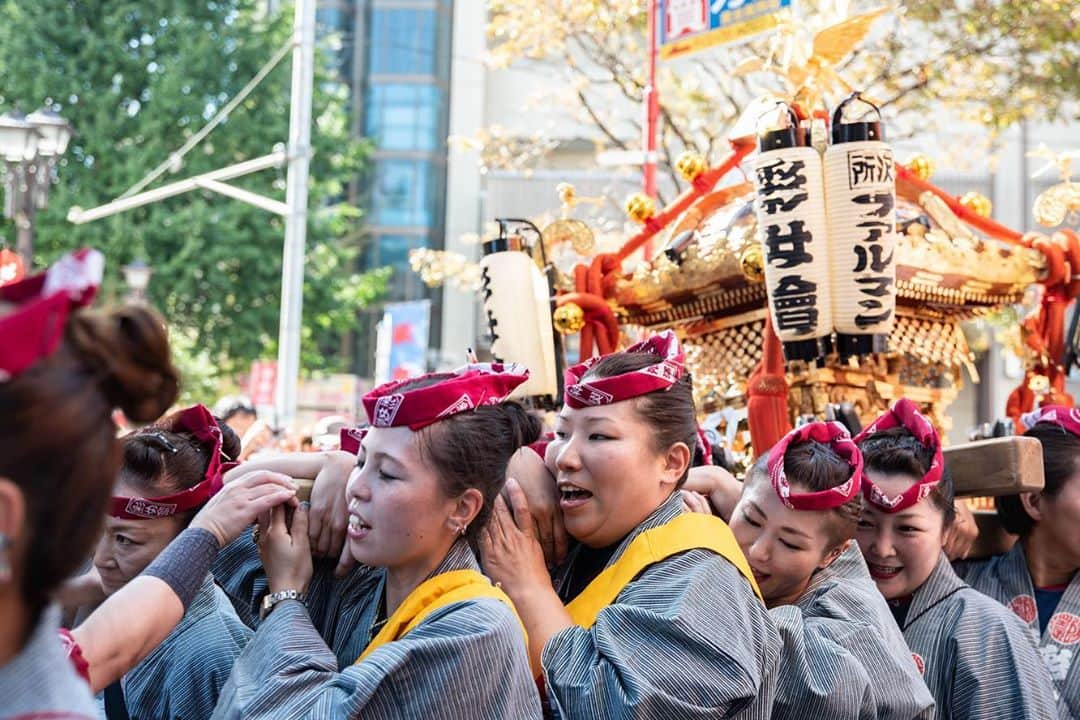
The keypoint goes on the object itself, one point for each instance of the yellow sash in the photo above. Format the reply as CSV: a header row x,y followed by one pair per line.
x,y
429,596
686,532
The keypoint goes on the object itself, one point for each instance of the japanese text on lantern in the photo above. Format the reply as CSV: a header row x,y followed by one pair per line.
x,y
870,169
781,189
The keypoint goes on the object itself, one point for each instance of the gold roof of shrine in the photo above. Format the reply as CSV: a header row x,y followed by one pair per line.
x,y
944,269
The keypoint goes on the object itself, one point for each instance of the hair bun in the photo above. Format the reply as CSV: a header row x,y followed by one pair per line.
x,y
525,427
129,350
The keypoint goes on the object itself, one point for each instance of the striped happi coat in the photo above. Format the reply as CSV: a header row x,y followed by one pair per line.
x,y
1006,579
976,658
686,639
41,682
844,656
465,660
182,677
336,606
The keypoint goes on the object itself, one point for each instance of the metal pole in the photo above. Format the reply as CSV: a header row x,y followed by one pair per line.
x,y
24,217
296,197
652,108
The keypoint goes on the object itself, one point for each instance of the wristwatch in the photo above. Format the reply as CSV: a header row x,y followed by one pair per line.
x,y
274,598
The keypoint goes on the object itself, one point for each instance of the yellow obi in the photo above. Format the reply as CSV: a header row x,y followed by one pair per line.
x,y
432,594
685,532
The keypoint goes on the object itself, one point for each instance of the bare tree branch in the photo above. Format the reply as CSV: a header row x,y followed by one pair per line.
x,y
600,124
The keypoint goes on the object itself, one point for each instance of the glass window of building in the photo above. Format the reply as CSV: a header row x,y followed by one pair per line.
x,y
403,41
403,193
392,250
404,116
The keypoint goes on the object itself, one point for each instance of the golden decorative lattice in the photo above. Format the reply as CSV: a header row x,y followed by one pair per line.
x,y
938,348
721,361
926,355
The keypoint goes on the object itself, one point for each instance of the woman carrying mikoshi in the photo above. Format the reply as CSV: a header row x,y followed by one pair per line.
x,y
975,658
1038,578
431,637
662,618
843,655
170,470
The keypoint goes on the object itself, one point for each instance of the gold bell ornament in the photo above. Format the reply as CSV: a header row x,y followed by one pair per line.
x,y
922,166
691,166
569,318
977,203
640,208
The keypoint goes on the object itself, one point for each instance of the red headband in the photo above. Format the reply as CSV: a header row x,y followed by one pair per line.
x,y
198,421
467,388
835,436
34,330
905,414
1065,418
604,391
350,439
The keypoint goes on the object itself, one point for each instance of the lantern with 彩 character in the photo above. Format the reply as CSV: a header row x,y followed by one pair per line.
x,y
790,208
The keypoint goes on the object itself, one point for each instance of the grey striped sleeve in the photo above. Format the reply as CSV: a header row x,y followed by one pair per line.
x,y
336,607
846,612
819,677
183,676
687,639
41,677
1006,579
467,660
979,660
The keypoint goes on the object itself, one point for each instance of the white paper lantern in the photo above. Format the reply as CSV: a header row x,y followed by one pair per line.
x,y
860,190
518,306
790,207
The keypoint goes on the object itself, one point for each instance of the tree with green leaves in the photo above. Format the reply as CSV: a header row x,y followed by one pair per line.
x,y
136,78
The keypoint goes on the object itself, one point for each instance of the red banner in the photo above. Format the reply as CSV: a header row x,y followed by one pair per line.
x,y
262,382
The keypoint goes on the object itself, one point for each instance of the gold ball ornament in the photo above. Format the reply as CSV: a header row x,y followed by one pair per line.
x,y
691,166
568,319
640,208
752,263
977,203
922,166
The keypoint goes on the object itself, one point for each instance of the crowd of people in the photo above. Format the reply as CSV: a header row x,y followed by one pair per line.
x,y
456,559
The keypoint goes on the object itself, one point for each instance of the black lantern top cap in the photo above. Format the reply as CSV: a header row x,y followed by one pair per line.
x,y
778,128
856,119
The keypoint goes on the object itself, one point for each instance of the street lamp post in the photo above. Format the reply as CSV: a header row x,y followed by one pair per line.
x,y
137,276
30,146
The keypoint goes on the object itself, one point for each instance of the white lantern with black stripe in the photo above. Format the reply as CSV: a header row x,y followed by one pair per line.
x,y
517,302
860,189
790,208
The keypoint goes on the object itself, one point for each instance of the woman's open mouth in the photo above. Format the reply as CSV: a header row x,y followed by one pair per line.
x,y
358,528
884,572
572,496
